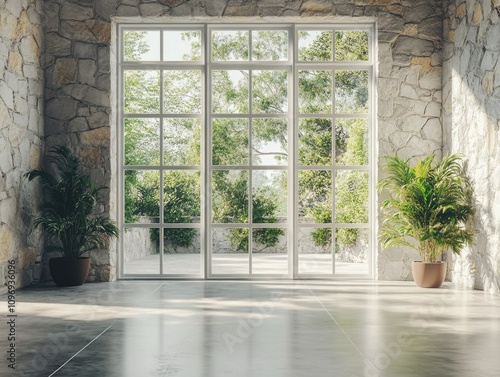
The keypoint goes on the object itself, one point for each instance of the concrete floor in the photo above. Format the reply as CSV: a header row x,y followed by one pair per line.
x,y
264,329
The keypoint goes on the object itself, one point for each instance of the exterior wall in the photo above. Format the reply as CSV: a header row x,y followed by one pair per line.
x,y
78,77
471,114
21,132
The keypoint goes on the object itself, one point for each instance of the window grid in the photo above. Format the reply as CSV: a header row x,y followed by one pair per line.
x,y
292,65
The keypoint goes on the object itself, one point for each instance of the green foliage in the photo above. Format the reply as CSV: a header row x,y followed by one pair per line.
x,y
318,138
67,210
351,45
430,207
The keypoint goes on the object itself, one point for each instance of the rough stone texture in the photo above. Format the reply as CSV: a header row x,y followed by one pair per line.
x,y
21,137
409,66
471,115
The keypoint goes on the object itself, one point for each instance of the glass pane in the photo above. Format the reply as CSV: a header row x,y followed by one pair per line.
x,y
315,141
269,196
230,45
351,46
315,196
270,141
142,141
351,196
351,91
182,196
142,196
182,92
315,92
351,142
230,251
181,141
230,196
270,92
182,45
315,251
351,251
182,251
141,92
230,141
315,46
270,45
269,251
141,45
230,91
141,251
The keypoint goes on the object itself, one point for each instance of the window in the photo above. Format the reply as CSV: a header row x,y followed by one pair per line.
x,y
245,151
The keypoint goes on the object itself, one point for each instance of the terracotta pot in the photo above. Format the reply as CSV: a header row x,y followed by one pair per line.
x,y
69,272
428,275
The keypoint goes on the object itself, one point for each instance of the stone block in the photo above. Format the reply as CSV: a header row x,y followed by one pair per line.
x,y
431,27
9,25
97,97
98,120
171,3
77,91
106,9
390,22
84,50
57,45
76,31
215,7
477,16
127,11
15,63
492,38
433,130
70,11
103,56
316,8
14,7
431,80
407,47
421,12
98,137
6,94
87,71
24,25
153,10
78,124
91,156
61,108
29,50
65,71
101,30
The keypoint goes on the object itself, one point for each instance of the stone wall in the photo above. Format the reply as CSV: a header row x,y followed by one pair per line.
x,y
471,114
21,132
78,78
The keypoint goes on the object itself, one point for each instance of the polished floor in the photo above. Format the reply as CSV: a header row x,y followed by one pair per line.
x,y
261,329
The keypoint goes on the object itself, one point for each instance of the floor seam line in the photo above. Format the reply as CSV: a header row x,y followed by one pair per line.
x,y
76,354
341,329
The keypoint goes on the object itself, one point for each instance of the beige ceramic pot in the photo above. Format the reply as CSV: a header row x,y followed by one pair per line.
x,y
428,275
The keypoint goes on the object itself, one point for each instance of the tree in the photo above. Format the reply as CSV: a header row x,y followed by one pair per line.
x,y
231,143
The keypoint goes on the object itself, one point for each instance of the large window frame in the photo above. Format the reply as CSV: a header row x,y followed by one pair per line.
x,y
206,66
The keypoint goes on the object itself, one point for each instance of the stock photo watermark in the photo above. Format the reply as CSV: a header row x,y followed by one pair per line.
x,y
11,316
390,352
248,324
57,342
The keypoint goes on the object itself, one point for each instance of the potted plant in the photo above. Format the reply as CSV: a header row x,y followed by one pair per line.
x,y
430,209
66,216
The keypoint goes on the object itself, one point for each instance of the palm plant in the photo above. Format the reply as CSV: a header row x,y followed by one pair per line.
x,y
66,213
430,207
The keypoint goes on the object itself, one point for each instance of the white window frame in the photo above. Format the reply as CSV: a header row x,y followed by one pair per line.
x,y
206,66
